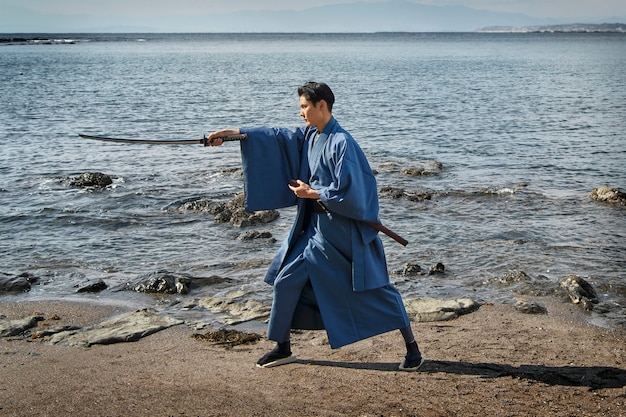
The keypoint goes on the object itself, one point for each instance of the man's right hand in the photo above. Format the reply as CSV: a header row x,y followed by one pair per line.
x,y
214,139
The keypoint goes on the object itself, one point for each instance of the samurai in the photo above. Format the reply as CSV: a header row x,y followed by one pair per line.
x,y
330,272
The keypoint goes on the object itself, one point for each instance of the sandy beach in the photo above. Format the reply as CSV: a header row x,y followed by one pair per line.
x,y
495,362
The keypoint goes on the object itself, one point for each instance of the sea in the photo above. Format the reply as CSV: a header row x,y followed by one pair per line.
x,y
521,127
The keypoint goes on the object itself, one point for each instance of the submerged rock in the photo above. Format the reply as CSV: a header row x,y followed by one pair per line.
x,y
93,287
609,195
255,234
88,180
408,270
437,269
431,309
19,283
422,170
396,193
579,291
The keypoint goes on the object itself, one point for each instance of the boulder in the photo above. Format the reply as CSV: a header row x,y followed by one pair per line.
x,y
579,291
431,309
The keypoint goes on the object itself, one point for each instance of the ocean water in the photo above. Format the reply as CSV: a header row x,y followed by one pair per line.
x,y
524,126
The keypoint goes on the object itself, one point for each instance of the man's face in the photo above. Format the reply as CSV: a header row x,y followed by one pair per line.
x,y
312,114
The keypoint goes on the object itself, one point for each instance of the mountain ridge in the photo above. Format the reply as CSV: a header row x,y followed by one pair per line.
x,y
354,17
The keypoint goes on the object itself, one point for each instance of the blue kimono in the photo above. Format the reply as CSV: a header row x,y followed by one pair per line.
x,y
330,272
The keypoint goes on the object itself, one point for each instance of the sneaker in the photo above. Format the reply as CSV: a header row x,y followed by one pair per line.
x,y
275,358
410,365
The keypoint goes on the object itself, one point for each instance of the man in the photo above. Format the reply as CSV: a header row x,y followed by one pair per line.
x,y
330,272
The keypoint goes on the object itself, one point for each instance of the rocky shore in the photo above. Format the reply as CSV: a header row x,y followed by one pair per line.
x,y
492,361
538,356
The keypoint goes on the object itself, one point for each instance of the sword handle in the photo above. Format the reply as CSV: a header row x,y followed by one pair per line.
x,y
243,136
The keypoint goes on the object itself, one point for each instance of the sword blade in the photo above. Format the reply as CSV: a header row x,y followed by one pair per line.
x,y
160,141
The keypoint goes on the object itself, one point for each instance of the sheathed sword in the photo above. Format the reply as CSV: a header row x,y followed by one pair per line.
x,y
204,141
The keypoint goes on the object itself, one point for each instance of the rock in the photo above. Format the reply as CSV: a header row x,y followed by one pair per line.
x,y
228,338
235,309
409,270
93,287
518,276
393,192
438,268
127,328
255,234
609,195
413,171
431,309
20,283
88,180
579,291
200,205
415,195
165,282
17,327
530,307
429,168
162,282
243,218
233,212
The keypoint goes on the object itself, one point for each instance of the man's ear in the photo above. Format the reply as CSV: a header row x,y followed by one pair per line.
x,y
323,105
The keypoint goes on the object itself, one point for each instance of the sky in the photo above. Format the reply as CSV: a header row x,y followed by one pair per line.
x,y
571,9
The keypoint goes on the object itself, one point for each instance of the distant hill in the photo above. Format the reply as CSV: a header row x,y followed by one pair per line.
x,y
566,28
356,17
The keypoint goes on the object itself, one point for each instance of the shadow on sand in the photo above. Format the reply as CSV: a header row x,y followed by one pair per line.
x,y
594,377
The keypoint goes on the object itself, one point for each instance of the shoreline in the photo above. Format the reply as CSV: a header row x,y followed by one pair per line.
x,y
494,361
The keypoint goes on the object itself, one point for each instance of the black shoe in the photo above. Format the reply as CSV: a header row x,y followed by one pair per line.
x,y
275,358
411,364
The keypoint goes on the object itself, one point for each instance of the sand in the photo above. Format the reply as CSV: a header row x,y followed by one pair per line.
x,y
493,362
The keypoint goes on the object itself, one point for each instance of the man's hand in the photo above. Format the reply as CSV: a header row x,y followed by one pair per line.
x,y
214,139
302,189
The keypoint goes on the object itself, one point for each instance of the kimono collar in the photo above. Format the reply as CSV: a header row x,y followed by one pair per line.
x,y
317,145
329,126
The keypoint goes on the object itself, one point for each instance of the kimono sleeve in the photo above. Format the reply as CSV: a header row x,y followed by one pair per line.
x,y
271,157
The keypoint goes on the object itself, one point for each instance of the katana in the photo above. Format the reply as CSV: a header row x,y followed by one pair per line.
x,y
204,141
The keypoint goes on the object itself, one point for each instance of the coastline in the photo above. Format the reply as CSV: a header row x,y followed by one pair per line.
x,y
494,361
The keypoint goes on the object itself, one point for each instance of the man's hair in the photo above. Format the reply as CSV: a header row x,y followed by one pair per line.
x,y
314,92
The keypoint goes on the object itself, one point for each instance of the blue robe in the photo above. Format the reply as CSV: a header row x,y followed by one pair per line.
x,y
330,272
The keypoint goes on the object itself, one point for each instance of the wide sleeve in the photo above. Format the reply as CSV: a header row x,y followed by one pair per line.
x,y
271,157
